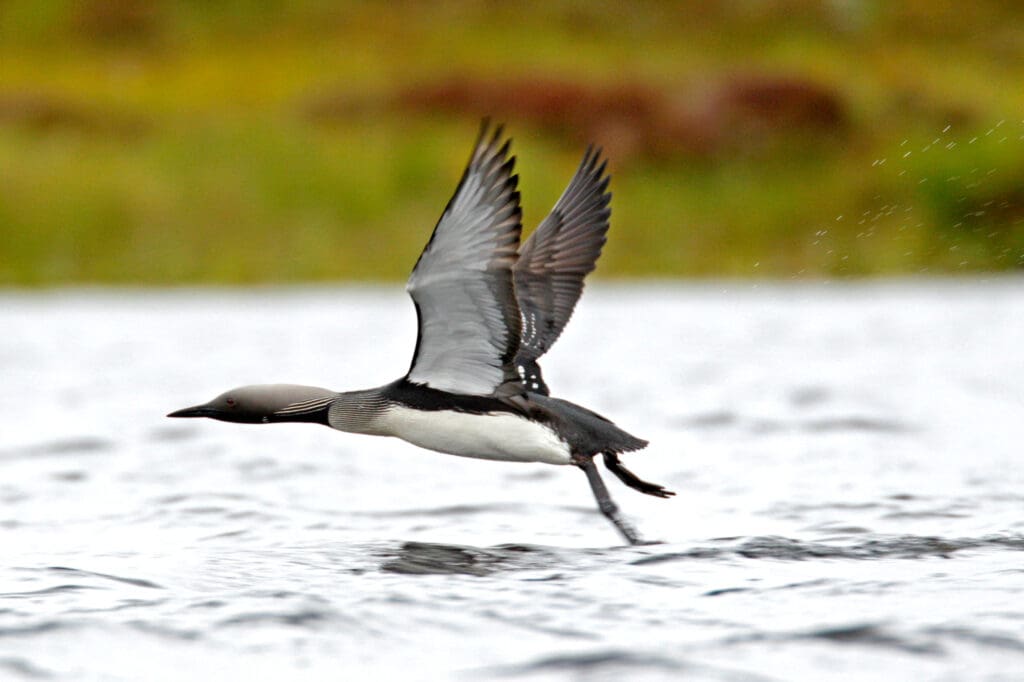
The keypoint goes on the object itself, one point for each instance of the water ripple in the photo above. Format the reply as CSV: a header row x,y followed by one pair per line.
x,y
306,617
854,423
56,589
38,628
24,668
873,635
592,663
994,640
619,664
900,547
59,448
137,582
449,510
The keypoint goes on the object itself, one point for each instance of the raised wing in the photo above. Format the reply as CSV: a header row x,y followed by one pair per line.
x,y
462,283
554,261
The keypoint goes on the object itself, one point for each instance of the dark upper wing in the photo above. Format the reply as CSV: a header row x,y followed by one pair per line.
x,y
554,261
462,283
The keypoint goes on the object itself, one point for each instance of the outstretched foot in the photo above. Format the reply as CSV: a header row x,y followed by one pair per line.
x,y
611,461
605,504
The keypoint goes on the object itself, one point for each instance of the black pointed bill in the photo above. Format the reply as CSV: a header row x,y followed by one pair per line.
x,y
197,411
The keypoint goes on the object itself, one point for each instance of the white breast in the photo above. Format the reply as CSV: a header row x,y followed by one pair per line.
x,y
496,435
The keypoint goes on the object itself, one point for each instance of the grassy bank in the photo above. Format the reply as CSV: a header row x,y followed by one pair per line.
x,y
177,143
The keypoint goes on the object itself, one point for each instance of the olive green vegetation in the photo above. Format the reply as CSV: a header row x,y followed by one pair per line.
x,y
170,142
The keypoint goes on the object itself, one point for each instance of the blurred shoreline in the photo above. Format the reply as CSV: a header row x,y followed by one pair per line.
x,y
166,143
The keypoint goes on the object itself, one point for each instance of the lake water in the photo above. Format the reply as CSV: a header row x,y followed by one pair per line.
x,y
847,458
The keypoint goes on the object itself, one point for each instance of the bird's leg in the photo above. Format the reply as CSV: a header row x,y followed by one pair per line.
x,y
611,460
604,501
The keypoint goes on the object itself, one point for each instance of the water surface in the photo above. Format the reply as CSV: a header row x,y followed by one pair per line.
x,y
847,460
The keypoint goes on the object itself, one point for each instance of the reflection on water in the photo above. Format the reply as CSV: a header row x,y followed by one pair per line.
x,y
846,457
426,557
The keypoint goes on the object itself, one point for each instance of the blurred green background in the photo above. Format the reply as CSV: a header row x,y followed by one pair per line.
x,y
157,142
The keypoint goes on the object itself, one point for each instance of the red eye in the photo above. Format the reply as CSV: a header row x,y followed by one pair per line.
x,y
230,402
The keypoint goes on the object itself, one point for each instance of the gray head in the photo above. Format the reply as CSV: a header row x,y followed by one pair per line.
x,y
266,403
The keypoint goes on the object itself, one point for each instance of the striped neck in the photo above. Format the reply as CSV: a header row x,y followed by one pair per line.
x,y
358,411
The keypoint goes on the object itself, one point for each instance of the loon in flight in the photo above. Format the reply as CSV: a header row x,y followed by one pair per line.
x,y
487,310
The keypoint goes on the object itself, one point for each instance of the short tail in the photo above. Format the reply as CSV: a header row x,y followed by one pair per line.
x,y
611,460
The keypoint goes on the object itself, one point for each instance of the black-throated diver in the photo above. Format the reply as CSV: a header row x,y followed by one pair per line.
x,y
487,310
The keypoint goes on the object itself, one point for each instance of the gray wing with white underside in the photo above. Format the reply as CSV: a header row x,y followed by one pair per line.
x,y
462,284
554,261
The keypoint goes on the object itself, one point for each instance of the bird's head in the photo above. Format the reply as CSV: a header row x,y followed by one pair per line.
x,y
266,403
